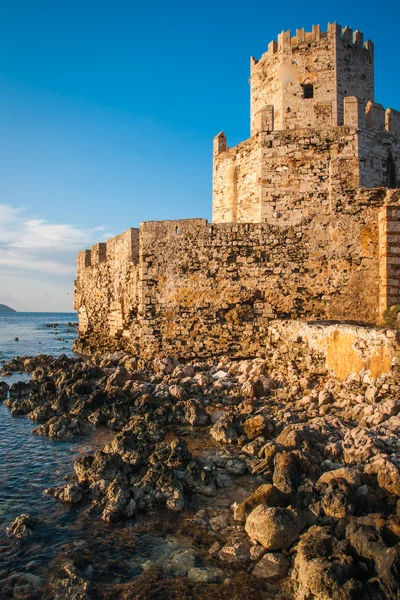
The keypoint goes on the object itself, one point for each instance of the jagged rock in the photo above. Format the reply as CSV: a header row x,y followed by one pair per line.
x,y
226,429
286,472
324,568
64,427
256,426
370,546
351,475
195,414
177,392
70,584
165,365
360,445
71,493
274,527
252,389
338,499
21,527
389,477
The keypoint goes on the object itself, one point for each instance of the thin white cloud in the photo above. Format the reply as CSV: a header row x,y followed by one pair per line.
x,y
35,244
8,213
29,263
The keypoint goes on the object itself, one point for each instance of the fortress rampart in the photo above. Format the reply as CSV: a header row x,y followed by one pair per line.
x,y
195,288
306,219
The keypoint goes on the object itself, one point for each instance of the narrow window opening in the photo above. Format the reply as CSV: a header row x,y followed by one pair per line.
x,y
176,230
308,90
391,172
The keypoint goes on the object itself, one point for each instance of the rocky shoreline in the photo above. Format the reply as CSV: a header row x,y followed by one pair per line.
x,y
324,519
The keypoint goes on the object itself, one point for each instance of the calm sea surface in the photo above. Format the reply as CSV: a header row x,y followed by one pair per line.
x,y
34,335
106,554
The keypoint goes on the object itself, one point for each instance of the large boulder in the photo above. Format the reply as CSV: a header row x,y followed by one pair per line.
x,y
275,528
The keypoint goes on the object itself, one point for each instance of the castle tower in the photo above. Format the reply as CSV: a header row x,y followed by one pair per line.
x,y
303,79
316,132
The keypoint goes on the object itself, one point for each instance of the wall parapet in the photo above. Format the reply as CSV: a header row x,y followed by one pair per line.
x,y
125,245
372,116
316,36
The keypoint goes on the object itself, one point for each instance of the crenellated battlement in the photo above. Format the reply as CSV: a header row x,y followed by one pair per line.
x,y
373,116
124,246
303,38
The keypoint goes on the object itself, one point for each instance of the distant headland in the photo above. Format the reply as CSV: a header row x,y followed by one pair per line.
x,y
4,308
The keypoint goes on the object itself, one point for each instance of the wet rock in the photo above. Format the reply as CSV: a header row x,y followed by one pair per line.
x,y
198,480
4,387
236,549
22,527
273,566
236,467
24,586
70,494
196,574
64,427
274,528
70,584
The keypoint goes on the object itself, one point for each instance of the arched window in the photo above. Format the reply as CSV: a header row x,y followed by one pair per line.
x,y
391,172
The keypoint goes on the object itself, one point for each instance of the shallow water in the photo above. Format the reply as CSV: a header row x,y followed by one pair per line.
x,y
105,554
34,335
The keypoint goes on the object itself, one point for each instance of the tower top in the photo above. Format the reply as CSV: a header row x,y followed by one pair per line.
x,y
306,77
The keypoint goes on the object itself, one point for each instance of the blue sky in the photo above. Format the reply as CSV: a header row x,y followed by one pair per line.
x,y
108,110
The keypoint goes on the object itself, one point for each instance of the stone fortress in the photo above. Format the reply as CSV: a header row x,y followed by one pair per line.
x,y
306,219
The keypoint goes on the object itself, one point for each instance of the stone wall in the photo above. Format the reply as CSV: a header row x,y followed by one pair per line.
x,y
389,250
192,288
106,288
236,183
282,176
347,350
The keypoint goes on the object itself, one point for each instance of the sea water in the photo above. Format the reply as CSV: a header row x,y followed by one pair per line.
x,y
105,554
